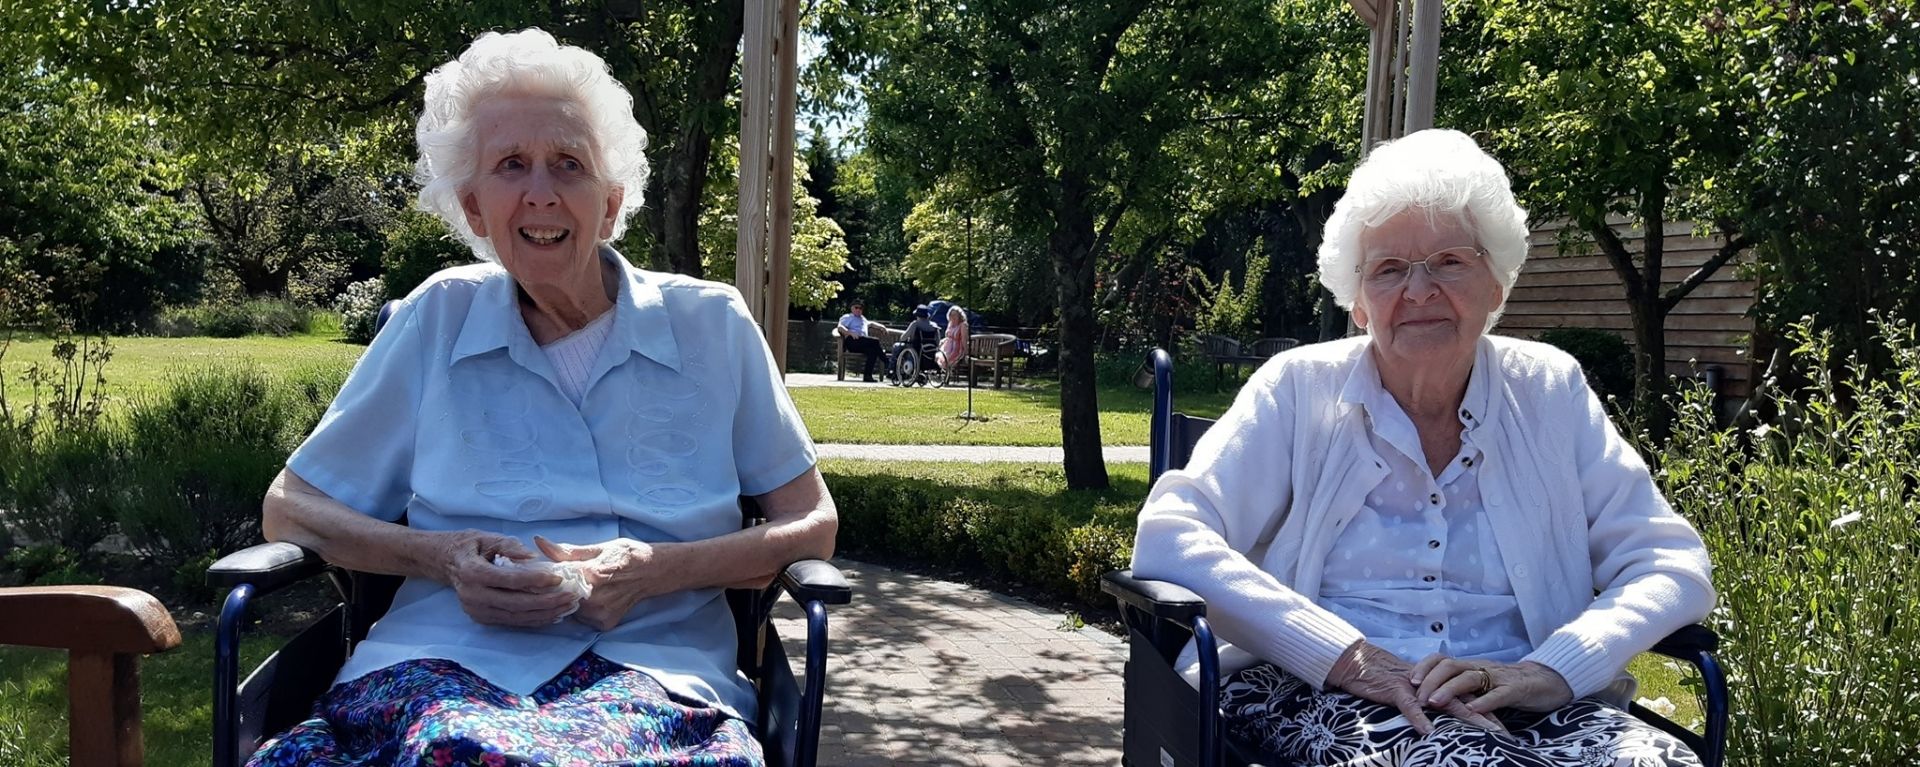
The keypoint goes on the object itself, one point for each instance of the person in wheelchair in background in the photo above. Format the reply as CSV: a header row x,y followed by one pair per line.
x,y
913,355
1426,545
567,438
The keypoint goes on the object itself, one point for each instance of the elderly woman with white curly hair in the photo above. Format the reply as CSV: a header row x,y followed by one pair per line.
x,y
1427,545
567,437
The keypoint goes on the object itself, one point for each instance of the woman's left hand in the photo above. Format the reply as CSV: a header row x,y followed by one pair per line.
x,y
1488,687
622,572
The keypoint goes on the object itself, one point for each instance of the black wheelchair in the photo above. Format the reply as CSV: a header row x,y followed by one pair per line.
x,y
281,691
915,362
1167,723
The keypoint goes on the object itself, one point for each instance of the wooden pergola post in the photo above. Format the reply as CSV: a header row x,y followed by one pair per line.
x,y
769,77
1403,64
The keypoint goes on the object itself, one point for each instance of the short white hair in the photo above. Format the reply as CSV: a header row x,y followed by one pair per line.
x,y
1440,172
526,62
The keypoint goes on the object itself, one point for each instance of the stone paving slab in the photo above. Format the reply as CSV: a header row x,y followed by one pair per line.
x,y
925,671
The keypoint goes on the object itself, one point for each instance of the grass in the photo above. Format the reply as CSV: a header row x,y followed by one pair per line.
x,y
176,702
140,365
1011,417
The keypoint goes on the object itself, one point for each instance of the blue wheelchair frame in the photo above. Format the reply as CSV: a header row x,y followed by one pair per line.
x,y
1166,723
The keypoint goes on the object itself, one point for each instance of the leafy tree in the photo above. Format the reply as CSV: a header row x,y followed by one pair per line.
x,y
1828,191
873,202
1614,108
1068,109
245,77
962,250
89,199
819,248
303,226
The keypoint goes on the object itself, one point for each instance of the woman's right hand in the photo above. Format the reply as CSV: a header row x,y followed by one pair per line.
x,y
1369,672
501,596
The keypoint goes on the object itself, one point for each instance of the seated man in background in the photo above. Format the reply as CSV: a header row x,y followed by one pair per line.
x,y
856,335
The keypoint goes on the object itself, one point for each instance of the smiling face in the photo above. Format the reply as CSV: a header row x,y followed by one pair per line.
x,y
536,195
1424,321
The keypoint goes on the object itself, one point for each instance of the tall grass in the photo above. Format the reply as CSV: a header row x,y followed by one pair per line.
x,y
1810,518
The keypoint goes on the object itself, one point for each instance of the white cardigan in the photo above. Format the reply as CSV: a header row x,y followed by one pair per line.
x,y
1250,521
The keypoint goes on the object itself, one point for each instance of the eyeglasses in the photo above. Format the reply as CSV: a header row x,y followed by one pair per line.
x,y
1450,265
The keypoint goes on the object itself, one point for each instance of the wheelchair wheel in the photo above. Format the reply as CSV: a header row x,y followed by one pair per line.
x,y
937,377
907,368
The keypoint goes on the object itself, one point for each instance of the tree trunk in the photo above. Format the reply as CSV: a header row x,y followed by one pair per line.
x,y
672,213
1071,246
1650,385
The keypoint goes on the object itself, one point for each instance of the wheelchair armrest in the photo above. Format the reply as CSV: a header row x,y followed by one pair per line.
x,y
86,619
1157,598
810,580
1688,642
268,566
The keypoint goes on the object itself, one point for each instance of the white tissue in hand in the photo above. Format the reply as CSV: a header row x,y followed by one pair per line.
x,y
571,579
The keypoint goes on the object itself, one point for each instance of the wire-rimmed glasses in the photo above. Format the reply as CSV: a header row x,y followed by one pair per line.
x,y
1449,265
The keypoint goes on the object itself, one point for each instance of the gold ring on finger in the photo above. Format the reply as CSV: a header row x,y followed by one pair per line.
x,y
1486,681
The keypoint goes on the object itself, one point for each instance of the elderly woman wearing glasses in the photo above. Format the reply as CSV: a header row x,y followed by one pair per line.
x,y
1427,545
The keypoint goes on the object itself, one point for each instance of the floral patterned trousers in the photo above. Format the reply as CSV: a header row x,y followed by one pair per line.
x,y
435,712
1284,719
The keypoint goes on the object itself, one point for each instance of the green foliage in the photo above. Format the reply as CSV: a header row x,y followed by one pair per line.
x,y
1225,311
202,455
64,484
1014,521
1827,190
1810,522
819,247
299,223
418,244
89,198
236,319
1604,356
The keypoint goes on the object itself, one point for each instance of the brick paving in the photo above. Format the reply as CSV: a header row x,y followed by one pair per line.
x,y
928,672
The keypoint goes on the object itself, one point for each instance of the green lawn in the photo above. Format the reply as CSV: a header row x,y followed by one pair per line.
x,y
140,365
176,702
1018,417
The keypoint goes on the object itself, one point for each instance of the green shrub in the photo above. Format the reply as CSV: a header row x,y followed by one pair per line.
x,y
63,484
1605,356
202,454
1014,521
234,319
1811,524
32,563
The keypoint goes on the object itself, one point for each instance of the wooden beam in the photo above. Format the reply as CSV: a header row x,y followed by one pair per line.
x,y
1425,67
1368,12
756,105
780,255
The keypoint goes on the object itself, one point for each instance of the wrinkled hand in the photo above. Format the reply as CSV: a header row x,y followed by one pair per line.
x,y
622,572
1368,672
500,596
1526,685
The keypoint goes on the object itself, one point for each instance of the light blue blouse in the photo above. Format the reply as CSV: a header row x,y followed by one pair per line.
x,y
454,417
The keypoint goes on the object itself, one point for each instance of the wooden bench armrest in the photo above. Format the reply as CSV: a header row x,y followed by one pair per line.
x,y
87,619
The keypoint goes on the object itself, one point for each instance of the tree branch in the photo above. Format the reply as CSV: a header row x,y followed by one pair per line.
x,y
1728,250
1618,257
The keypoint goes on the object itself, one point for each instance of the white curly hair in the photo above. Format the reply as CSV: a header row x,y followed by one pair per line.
x,y
529,61
1439,172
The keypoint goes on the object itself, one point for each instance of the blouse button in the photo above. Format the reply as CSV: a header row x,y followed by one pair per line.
x,y
1428,579
1437,627
1433,544
1435,498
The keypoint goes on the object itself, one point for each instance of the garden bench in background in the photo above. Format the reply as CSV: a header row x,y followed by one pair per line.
x,y
993,352
1223,351
843,358
105,630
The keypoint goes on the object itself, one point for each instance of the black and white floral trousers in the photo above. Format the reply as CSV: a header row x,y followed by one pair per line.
x,y
1287,721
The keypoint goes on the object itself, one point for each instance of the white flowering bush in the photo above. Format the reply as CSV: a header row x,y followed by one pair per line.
x,y
358,306
1812,518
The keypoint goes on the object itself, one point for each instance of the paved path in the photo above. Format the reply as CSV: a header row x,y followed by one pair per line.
x,y
972,453
927,672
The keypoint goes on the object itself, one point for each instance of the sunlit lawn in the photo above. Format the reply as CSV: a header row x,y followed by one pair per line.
x,y
139,365
176,702
1022,417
